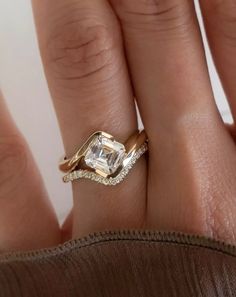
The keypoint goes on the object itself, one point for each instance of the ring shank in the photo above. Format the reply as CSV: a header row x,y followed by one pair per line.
x,y
74,167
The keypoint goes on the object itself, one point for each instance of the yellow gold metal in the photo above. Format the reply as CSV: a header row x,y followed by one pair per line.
x,y
76,168
66,165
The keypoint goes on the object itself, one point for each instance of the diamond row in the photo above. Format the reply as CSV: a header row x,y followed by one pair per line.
x,y
111,181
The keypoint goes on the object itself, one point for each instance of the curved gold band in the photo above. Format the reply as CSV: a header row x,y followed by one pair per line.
x,y
103,159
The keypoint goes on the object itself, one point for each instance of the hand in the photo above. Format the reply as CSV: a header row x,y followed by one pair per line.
x,y
87,48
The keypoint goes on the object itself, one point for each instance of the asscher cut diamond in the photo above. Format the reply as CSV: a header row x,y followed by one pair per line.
x,y
105,155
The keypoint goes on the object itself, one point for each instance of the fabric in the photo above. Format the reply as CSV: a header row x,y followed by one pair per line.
x,y
124,263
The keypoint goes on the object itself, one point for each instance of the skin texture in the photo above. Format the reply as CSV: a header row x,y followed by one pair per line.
x,y
98,56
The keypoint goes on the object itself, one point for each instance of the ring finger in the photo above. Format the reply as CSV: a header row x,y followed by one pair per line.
x,y
85,67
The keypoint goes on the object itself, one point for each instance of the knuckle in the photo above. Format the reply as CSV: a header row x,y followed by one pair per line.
x,y
157,15
83,48
222,15
219,225
13,163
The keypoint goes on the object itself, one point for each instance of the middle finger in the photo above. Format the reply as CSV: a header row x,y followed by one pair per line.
x,y
172,86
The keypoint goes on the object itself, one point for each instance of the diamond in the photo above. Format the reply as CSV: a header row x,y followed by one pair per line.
x,y
105,155
112,181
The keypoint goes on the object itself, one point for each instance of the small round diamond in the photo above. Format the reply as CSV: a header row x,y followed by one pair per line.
x,y
107,181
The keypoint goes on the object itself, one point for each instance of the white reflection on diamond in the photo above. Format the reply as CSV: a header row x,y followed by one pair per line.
x,y
105,155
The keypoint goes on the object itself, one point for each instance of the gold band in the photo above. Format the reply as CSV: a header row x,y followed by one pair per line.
x,y
104,160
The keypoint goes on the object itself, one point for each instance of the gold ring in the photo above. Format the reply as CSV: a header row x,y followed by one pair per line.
x,y
104,160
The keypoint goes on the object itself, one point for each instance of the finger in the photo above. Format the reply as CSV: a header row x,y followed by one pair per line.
x,y
27,220
165,54
67,227
171,83
84,63
220,23
232,130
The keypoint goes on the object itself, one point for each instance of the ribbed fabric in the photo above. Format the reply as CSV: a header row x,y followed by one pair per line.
x,y
137,264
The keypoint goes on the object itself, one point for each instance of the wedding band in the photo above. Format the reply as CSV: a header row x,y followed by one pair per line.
x,y
103,159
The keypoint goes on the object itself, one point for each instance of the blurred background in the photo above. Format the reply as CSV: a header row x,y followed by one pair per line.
x,y
25,89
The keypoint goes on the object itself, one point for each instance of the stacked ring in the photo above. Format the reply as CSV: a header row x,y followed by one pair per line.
x,y
104,160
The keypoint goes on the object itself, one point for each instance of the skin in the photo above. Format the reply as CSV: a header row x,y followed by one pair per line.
x,y
98,56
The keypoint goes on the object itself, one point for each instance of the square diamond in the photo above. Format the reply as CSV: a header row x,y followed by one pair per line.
x,y
105,155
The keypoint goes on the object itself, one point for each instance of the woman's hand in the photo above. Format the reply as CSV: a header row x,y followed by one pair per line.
x,y
99,55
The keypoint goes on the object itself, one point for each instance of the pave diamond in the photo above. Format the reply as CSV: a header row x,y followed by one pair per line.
x,y
111,181
105,155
